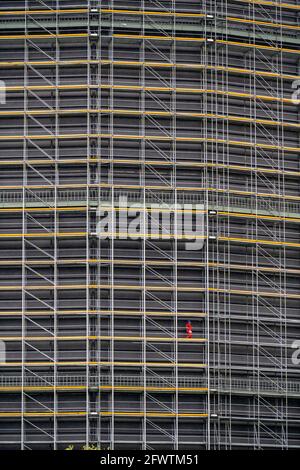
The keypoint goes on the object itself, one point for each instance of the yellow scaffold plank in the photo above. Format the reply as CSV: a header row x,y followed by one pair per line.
x,y
294,220
163,114
232,214
13,37
268,24
259,216
119,388
103,312
151,64
157,263
44,235
153,388
152,339
234,19
49,11
271,3
203,39
40,414
50,287
152,138
154,414
153,288
37,388
45,209
135,414
171,365
183,210
154,38
107,209
279,243
152,236
158,13
129,186
130,161
162,89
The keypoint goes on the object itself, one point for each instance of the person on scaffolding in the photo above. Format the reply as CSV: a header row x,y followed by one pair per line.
x,y
189,329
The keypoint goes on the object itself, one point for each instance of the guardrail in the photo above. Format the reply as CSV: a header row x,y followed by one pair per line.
x,y
234,385
94,195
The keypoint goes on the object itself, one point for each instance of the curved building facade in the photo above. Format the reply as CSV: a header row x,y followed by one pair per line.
x,y
149,233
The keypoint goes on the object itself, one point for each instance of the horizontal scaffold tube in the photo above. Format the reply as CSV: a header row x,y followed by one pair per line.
x,y
222,42
196,189
149,288
152,339
130,161
157,263
84,208
156,340
219,213
172,14
151,236
48,11
247,215
170,364
130,414
161,89
150,64
103,312
133,187
119,388
159,13
22,37
270,3
162,114
152,138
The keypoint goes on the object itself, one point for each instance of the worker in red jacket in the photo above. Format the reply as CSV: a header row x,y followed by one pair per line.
x,y
189,329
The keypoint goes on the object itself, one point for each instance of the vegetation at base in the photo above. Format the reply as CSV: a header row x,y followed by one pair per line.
x,y
86,447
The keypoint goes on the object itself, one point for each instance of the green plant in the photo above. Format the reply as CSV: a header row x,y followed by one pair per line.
x,y
70,447
91,447
86,447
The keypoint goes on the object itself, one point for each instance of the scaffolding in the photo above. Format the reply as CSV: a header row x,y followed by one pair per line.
x,y
176,110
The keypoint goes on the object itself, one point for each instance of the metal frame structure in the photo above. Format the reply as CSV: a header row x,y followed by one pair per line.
x,y
178,108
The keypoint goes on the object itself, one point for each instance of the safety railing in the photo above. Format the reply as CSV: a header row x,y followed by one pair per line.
x,y
235,384
94,195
